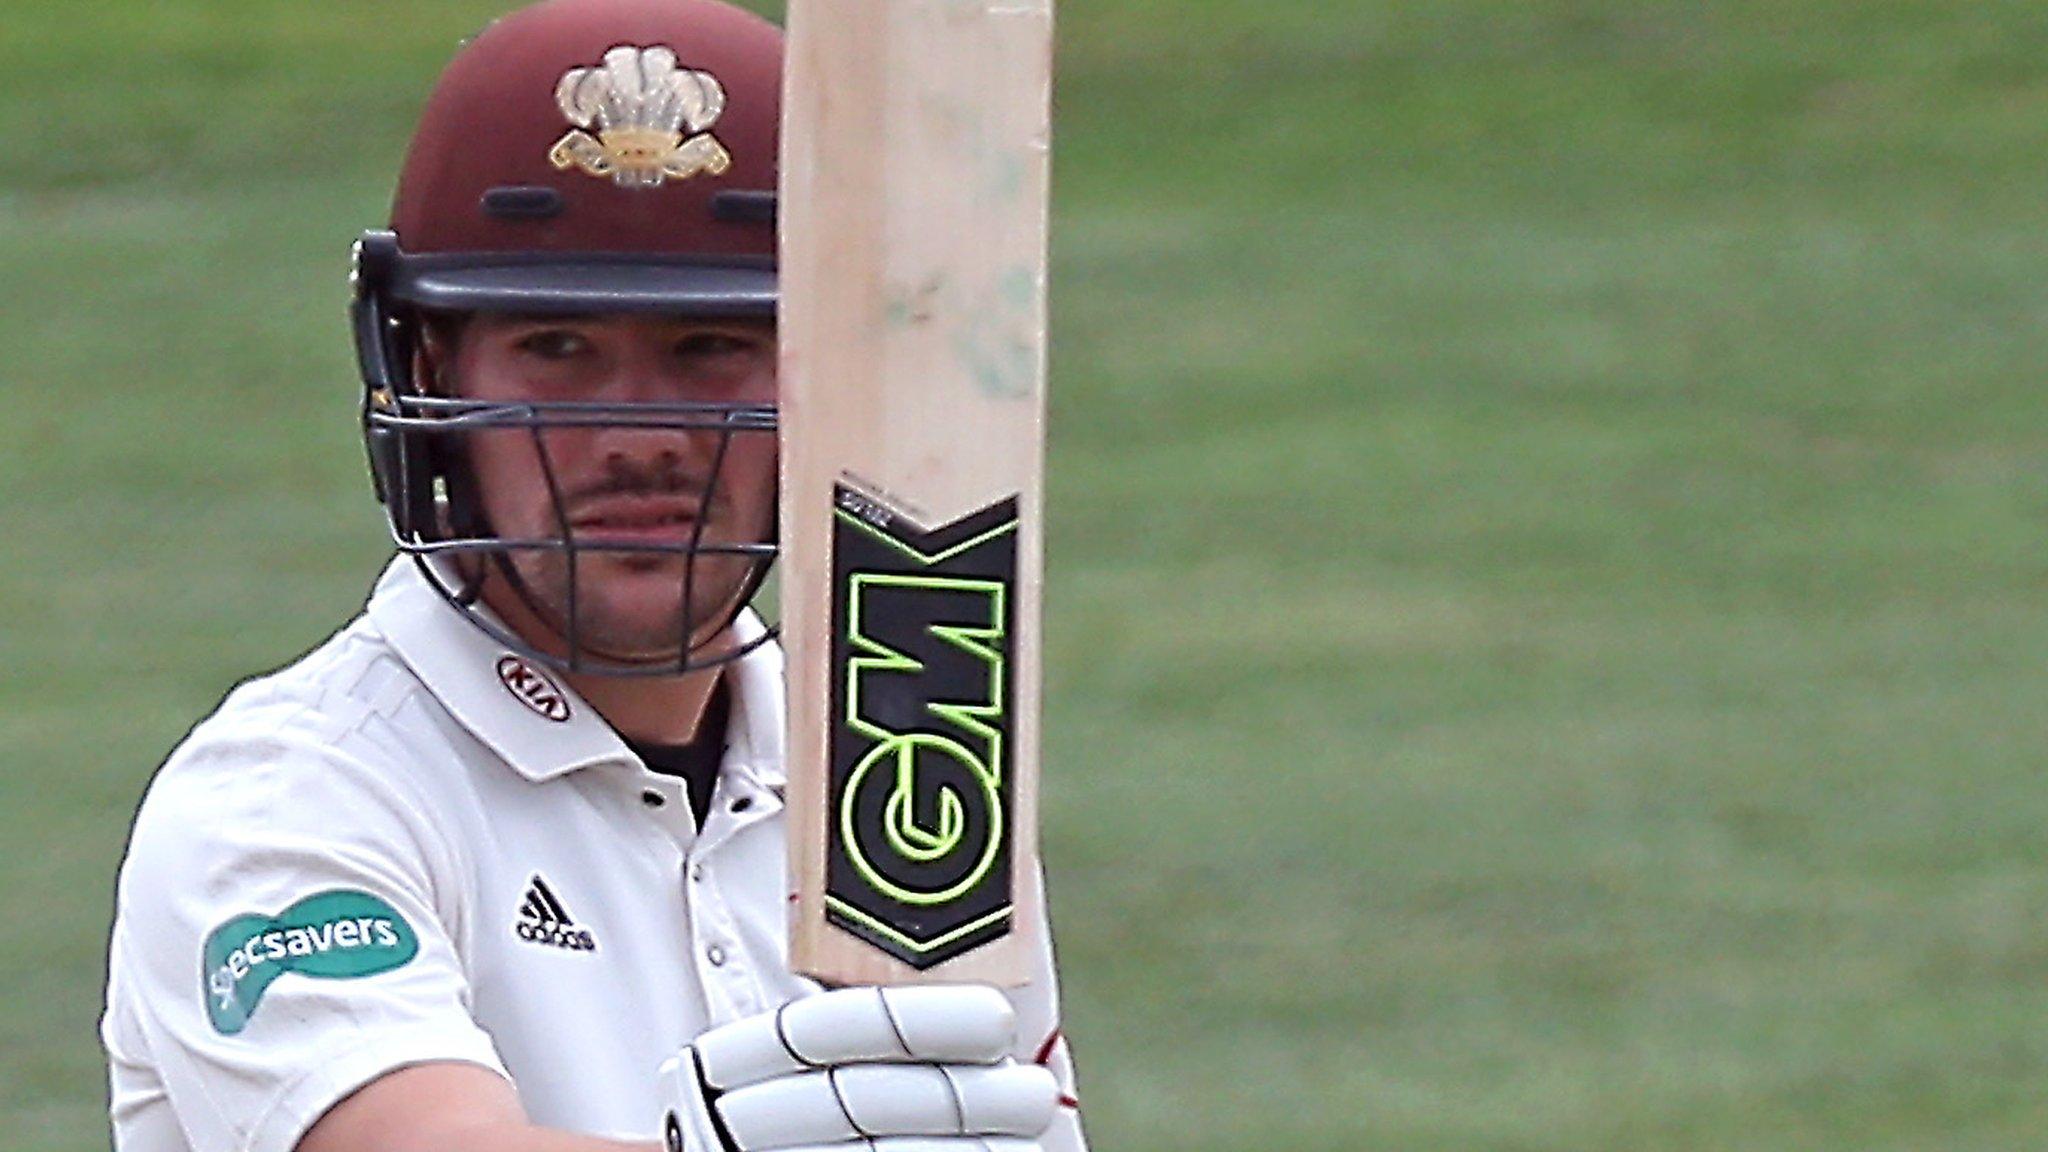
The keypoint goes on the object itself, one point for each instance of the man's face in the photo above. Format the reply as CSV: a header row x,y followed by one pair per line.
x,y
619,485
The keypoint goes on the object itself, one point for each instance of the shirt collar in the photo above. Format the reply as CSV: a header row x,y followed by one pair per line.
x,y
757,704
526,713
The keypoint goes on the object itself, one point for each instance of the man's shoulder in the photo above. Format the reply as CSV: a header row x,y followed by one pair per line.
x,y
339,753
348,715
328,695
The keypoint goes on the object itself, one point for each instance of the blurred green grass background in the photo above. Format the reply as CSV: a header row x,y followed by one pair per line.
x,y
1547,615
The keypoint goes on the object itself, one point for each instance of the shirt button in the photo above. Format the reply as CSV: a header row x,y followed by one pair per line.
x,y
653,799
716,955
697,873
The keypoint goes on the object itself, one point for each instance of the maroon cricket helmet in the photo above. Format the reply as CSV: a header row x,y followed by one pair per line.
x,y
596,155
578,157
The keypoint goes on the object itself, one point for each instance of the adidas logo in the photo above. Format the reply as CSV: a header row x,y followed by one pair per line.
x,y
543,920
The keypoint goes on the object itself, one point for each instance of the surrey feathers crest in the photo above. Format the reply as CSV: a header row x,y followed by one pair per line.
x,y
640,119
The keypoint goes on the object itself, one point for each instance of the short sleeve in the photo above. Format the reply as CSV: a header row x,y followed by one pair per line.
x,y
287,931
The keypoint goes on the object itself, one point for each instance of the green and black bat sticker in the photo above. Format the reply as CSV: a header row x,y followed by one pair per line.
x,y
920,756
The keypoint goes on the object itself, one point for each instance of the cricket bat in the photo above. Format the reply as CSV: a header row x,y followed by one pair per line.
x,y
913,213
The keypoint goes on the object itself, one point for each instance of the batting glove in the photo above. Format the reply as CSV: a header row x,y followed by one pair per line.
x,y
913,1069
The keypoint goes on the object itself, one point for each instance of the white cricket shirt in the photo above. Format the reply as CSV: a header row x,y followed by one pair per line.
x,y
415,846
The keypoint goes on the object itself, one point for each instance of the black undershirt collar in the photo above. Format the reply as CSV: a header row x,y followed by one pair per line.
x,y
695,763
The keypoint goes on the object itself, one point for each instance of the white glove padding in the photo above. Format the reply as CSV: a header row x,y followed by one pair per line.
x,y
896,1069
854,1101
928,1144
930,1024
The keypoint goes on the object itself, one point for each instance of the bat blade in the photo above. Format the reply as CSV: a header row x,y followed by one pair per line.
x,y
913,219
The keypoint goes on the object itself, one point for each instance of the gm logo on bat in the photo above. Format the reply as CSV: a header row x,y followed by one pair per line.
x,y
920,756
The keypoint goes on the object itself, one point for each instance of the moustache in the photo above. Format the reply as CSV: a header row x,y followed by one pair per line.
x,y
627,480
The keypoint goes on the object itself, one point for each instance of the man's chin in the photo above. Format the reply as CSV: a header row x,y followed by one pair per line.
x,y
624,616
653,636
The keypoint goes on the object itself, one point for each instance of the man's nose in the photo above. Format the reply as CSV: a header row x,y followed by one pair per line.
x,y
651,449
657,469
640,378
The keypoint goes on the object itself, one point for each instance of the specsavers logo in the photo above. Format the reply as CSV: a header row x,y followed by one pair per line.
x,y
336,935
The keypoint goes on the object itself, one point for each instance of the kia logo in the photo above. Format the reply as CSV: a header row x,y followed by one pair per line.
x,y
533,688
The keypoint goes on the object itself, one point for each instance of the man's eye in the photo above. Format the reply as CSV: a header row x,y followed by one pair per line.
x,y
704,345
553,344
